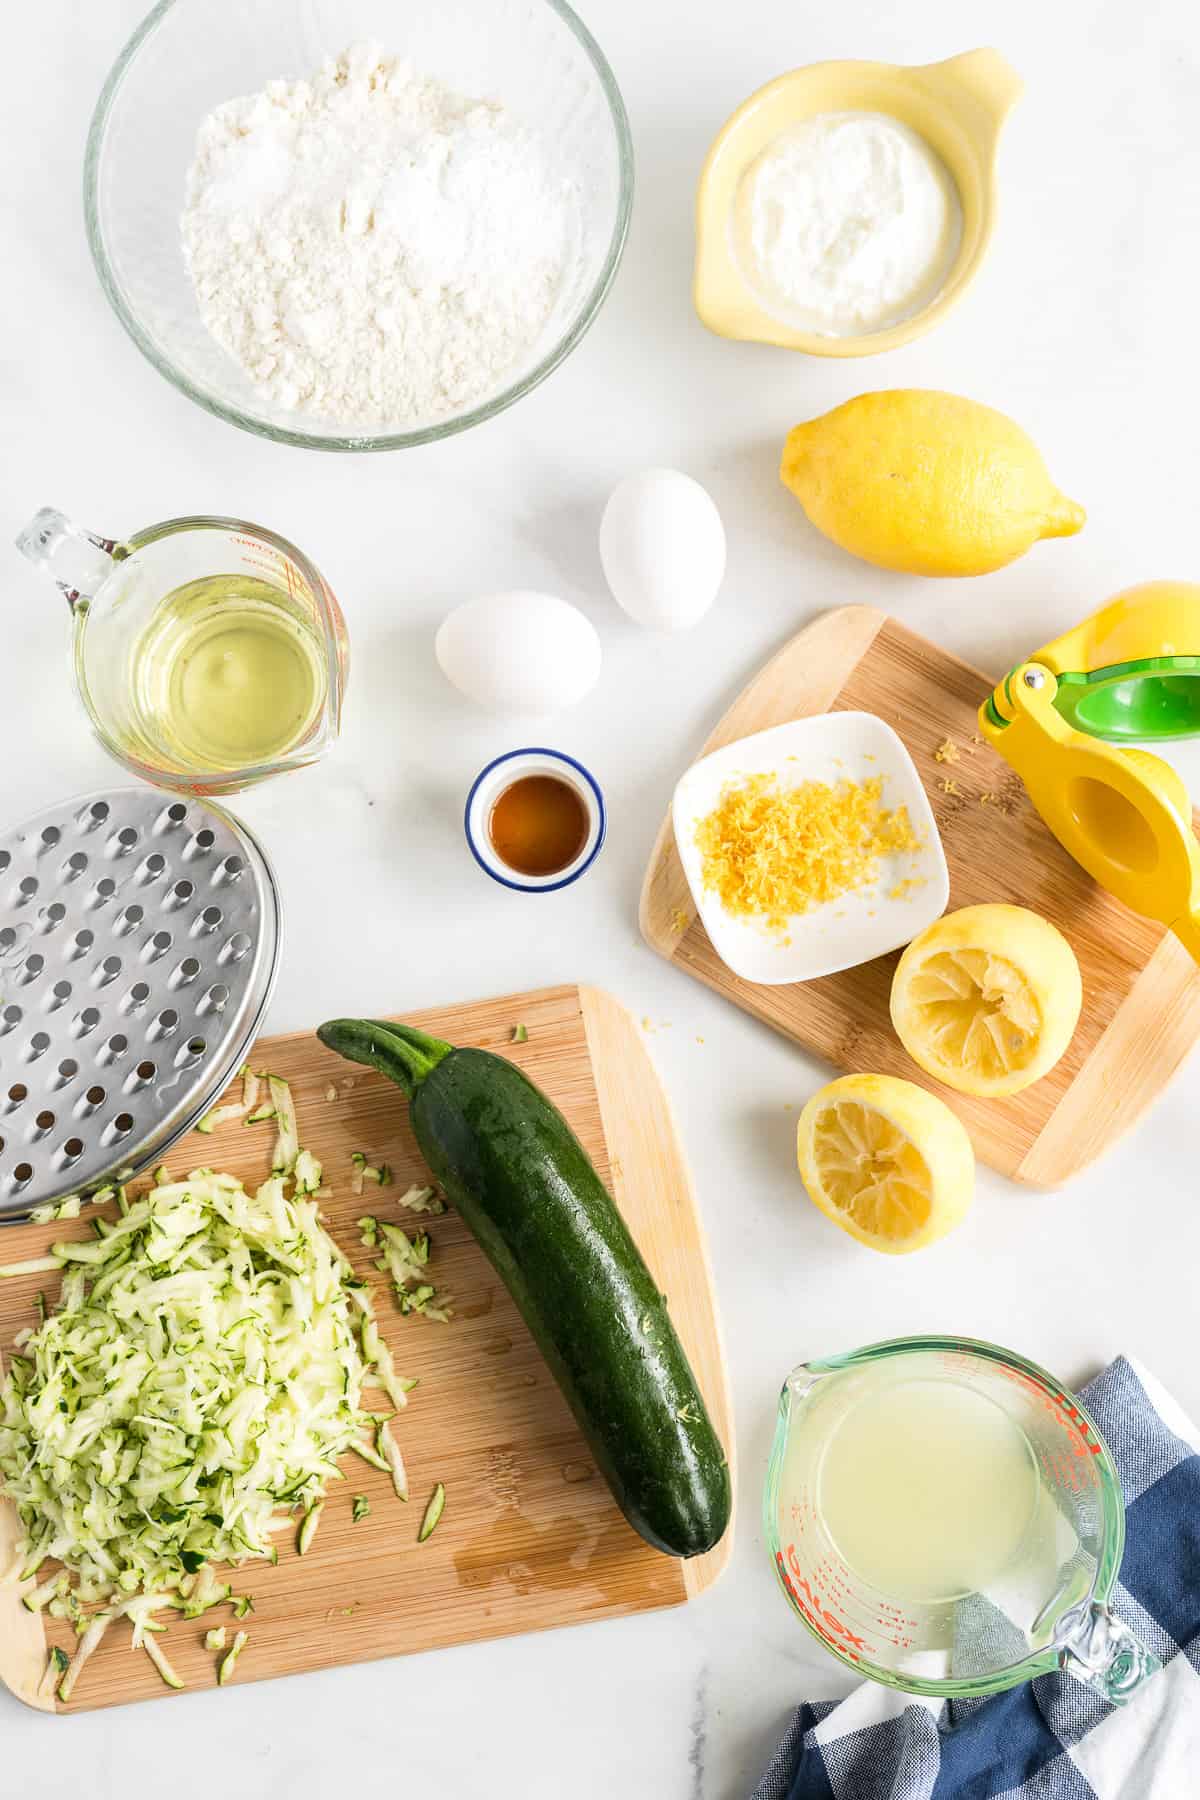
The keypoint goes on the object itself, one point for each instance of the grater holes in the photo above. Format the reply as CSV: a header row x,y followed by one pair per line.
x,y
75,866
27,887
163,1025
68,1069
22,1175
86,1021
58,996
32,968
207,921
50,837
149,869
185,974
170,818
81,944
178,896
215,1000
198,846
5,859
101,894
106,972
17,1095
191,1053
136,998
70,1153
94,816
237,947
10,1018
141,1077
90,1102
114,1049
43,1123
123,842
117,1128
228,871
128,920
39,1043
51,916
157,946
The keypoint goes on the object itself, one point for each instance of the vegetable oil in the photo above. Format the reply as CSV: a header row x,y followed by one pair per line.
x,y
229,673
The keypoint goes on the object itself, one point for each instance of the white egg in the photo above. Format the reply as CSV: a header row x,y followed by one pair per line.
x,y
662,544
519,652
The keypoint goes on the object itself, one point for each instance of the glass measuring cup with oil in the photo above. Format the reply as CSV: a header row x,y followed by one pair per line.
x,y
946,1519
209,654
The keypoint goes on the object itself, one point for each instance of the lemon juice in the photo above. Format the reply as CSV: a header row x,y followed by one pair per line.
x,y
227,674
928,1490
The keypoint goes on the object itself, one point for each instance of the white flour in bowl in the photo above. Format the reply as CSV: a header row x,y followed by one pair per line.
x,y
373,248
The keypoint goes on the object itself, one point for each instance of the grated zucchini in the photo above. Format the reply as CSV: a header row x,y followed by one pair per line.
x,y
433,1512
388,1448
308,1527
405,1260
287,1143
159,1658
201,1378
229,1660
57,1664
422,1200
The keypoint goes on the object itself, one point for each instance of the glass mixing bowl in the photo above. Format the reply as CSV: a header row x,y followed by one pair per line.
x,y
188,56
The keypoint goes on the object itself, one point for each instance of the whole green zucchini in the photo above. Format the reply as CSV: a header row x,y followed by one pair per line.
x,y
523,1183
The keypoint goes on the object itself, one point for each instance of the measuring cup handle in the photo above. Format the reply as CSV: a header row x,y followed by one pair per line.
x,y
1099,1650
77,560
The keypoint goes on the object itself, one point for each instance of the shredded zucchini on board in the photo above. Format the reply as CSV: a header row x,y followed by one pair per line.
x,y
200,1379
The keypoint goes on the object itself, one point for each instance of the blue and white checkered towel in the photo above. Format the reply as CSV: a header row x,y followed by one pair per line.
x,y
1053,1738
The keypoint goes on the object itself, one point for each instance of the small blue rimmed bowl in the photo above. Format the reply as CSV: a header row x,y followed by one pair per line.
x,y
500,775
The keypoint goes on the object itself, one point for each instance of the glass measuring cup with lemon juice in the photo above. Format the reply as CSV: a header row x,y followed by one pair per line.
x,y
928,1491
947,1520
227,673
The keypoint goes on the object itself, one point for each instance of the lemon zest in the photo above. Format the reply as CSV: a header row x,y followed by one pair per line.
x,y
772,853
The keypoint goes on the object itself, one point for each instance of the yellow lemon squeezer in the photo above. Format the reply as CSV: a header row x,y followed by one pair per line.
x,y
1066,720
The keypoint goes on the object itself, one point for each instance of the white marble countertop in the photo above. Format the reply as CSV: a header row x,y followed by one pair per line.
x,y
1079,328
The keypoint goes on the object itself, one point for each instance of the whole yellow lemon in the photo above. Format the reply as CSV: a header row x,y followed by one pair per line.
x,y
925,482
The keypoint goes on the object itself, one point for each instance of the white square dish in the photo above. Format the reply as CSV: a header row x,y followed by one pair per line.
x,y
858,926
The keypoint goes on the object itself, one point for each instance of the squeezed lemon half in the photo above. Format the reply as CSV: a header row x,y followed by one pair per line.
x,y
987,999
886,1161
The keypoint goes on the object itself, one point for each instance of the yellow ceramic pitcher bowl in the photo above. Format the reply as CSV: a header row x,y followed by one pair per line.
x,y
958,107
1065,720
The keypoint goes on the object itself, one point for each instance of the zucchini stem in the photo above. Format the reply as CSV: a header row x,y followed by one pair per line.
x,y
405,1055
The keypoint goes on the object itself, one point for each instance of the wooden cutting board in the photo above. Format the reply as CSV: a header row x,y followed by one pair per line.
x,y
1141,1005
530,1537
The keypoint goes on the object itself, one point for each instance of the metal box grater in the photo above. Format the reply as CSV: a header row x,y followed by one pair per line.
x,y
139,943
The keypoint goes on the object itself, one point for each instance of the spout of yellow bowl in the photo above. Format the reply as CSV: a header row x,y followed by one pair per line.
x,y
983,78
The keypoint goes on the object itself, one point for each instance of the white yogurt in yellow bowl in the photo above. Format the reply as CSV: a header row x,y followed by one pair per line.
x,y
845,207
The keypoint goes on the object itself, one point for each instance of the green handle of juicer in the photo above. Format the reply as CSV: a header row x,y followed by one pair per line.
x,y
1130,672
